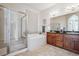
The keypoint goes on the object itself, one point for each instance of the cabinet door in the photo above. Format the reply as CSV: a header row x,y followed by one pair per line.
x,y
72,44
67,44
51,39
76,45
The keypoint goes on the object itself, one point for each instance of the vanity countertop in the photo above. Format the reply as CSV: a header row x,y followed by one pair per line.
x,y
69,33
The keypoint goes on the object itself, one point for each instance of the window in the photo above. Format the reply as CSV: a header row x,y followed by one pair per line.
x,y
73,23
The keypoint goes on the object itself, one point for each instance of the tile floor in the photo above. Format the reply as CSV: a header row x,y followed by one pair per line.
x,y
48,50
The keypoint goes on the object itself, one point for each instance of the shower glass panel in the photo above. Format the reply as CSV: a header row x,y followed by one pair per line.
x,y
14,31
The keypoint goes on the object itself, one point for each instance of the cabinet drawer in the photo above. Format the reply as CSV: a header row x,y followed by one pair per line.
x,y
59,43
59,39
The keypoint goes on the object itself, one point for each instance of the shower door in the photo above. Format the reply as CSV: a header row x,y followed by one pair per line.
x,y
14,31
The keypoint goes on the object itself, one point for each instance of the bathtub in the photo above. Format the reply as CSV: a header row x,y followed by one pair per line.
x,y
35,41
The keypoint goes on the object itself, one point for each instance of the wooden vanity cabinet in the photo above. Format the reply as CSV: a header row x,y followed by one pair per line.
x,y
55,39
71,42
66,41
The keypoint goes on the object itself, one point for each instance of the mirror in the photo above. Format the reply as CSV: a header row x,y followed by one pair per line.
x,y
58,23
68,22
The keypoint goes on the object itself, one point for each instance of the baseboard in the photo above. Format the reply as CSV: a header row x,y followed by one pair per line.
x,y
17,52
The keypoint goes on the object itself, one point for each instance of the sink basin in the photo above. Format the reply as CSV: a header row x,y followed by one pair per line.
x,y
60,32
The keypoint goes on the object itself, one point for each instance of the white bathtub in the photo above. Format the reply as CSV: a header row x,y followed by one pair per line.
x,y
35,41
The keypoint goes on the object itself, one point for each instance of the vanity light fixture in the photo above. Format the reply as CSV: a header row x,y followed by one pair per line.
x,y
71,8
67,9
54,13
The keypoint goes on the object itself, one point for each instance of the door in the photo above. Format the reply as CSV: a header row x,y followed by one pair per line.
x,y
16,39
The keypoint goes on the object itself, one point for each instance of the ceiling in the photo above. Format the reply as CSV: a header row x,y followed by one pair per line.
x,y
40,6
36,6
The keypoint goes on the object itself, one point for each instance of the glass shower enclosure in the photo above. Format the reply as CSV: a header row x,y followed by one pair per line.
x,y
15,29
